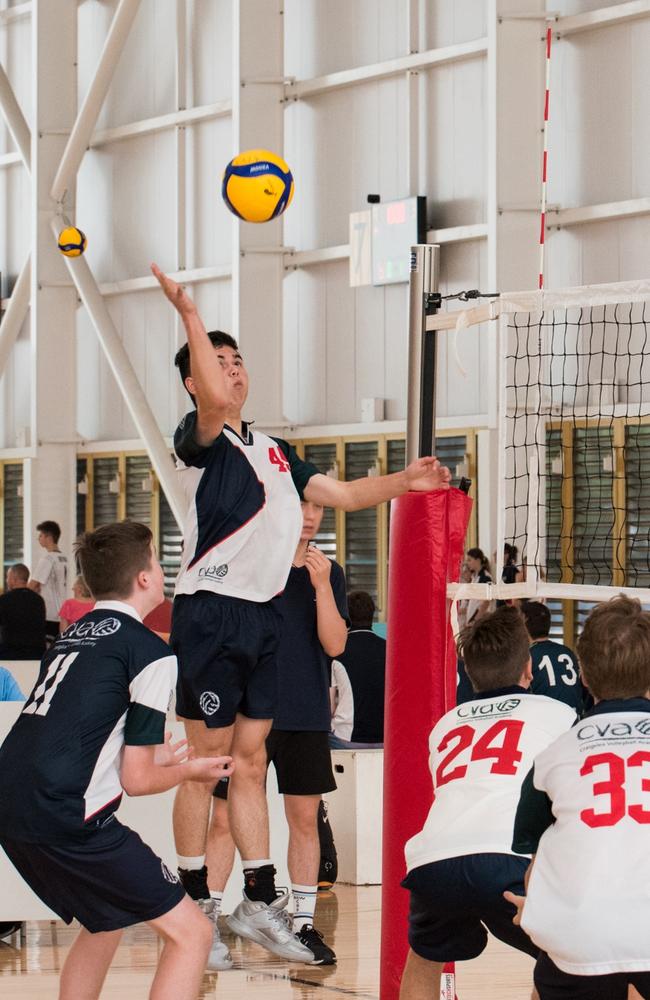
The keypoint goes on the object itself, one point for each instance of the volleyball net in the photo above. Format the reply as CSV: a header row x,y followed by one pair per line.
x,y
574,437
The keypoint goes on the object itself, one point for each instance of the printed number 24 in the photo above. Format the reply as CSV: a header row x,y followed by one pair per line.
x,y
500,741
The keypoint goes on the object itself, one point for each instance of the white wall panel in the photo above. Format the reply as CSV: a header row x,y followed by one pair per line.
x,y
15,394
143,84
343,146
599,145
453,23
125,205
323,38
210,44
456,144
209,221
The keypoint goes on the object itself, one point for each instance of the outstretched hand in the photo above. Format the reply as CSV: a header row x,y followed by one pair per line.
x,y
174,292
318,567
427,474
168,753
517,901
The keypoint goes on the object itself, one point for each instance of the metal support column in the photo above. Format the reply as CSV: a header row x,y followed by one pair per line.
x,y
258,271
15,119
421,401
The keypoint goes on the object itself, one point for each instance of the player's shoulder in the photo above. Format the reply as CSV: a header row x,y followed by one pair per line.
x,y
542,706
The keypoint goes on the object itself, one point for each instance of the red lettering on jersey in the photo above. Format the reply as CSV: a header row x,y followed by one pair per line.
x,y
615,788
465,735
506,753
277,458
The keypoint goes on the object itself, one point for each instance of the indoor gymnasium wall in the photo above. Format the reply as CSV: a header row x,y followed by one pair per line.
x,y
343,344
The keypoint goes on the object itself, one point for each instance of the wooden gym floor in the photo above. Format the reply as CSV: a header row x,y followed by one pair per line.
x,y
349,918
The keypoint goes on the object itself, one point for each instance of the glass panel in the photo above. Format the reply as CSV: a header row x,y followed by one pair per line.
x,y
170,545
361,525
323,456
105,490
13,516
138,488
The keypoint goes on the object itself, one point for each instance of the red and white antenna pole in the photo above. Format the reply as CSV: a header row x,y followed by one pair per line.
x,y
542,231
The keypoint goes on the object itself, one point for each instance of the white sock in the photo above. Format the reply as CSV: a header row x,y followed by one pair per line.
x,y
304,905
190,864
218,901
258,863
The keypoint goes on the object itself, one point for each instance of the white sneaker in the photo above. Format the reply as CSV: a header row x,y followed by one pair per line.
x,y
219,959
267,925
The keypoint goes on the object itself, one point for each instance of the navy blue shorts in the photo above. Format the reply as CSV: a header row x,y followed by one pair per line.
x,y
553,984
110,881
227,658
455,900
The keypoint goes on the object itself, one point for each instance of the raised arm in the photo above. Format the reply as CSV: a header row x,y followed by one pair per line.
x,y
330,625
209,379
423,474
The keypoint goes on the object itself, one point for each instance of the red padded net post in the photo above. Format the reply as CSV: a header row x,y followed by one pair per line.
x,y
426,547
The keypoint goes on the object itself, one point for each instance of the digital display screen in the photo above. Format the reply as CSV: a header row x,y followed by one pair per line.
x,y
396,227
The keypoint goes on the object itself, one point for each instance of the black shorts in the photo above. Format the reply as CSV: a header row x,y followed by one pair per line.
x,y
455,900
226,649
302,762
553,984
111,881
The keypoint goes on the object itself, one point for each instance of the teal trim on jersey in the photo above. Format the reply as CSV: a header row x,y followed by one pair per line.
x,y
144,727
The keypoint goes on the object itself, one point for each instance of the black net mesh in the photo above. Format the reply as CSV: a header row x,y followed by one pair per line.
x,y
577,444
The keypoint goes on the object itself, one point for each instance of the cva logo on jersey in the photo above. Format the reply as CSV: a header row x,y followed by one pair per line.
x,y
213,572
209,702
93,630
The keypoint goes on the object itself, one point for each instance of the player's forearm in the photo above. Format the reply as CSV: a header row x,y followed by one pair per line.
x,y
209,378
331,628
373,490
156,778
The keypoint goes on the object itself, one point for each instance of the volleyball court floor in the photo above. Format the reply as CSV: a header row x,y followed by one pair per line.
x,y
349,918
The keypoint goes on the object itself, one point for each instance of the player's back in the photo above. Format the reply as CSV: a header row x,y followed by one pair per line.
x,y
107,675
589,893
556,673
480,753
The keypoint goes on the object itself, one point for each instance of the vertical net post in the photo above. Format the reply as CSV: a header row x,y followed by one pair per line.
x,y
426,546
421,401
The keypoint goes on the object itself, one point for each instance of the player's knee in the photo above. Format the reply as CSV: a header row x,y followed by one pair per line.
x,y
303,819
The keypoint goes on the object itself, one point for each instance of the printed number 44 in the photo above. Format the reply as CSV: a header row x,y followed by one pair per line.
x,y
277,458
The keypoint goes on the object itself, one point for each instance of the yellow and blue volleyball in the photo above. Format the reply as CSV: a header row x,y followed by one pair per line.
x,y
72,242
257,185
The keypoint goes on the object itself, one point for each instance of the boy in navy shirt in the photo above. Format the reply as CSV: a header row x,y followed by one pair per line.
x,y
93,726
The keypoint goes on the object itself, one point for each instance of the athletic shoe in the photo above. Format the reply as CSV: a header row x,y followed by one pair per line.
x,y
219,959
329,867
267,925
313,939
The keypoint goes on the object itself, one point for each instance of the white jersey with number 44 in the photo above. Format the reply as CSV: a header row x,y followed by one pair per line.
x,y
481,752
588,902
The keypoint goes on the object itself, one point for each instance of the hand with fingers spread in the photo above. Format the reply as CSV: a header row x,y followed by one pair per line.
x,y
318,566
427,474
167,754
174,292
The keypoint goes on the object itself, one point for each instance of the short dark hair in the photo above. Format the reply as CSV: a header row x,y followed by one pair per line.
x,y
495,650
480,555
537,618
20,571
614,649
361,609
182,359
50,528
112,556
